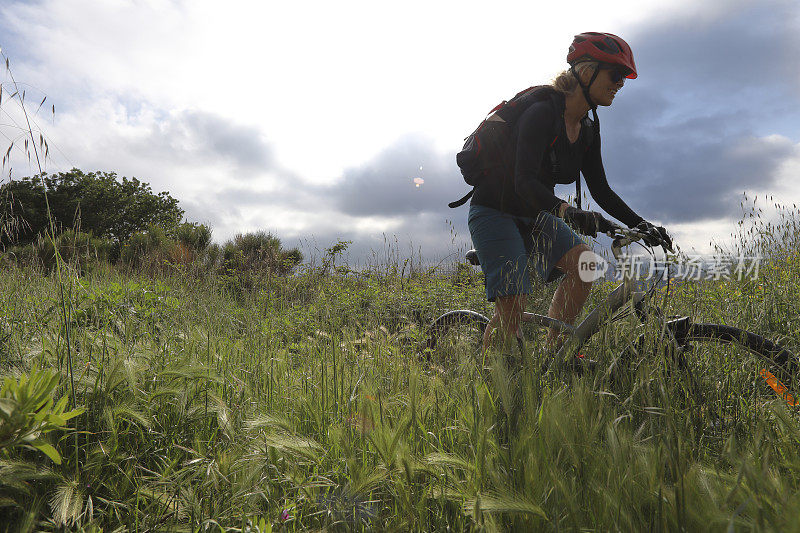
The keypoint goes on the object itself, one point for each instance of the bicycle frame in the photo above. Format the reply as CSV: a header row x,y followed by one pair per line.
x,y
618,297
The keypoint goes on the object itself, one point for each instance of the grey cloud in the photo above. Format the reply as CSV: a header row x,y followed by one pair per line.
x,y
242,196
291,191
741,49
241,144
194,136
689,170
682,142
205,213
385,186
695,181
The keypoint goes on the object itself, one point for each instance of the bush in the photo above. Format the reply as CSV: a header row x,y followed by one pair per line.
x,y
195,236
22,256
254,256
147,250
75,248
156,250
212,257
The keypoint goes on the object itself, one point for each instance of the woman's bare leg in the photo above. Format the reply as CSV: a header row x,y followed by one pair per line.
x,y
490,329
570,296
507,318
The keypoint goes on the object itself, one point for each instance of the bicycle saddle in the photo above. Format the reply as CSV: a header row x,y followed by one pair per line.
x,y
472,257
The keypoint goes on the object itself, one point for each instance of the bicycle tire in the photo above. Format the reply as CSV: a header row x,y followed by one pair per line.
x,y
461,319
776,365
754,342
685,331
782,364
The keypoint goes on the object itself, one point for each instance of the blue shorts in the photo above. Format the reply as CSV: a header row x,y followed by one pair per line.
x,y
504,255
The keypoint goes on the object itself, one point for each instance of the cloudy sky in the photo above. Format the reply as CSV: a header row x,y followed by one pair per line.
x,y
312,119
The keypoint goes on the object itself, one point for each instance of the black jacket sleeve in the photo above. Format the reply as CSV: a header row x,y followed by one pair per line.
x,y
607,199
534,135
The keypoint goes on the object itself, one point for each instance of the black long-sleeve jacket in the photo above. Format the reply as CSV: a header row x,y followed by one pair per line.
x,y
530,187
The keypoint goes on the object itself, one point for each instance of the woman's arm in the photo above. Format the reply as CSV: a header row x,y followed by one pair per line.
x,y
607,199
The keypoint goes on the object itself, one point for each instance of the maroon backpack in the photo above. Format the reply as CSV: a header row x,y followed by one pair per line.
x,y
489,152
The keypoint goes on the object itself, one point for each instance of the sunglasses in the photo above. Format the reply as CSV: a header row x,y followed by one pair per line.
x,y
617,74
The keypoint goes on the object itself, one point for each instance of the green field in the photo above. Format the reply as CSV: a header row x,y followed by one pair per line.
x,y
301,403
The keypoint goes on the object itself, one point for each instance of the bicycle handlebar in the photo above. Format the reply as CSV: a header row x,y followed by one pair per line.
x,y
625,237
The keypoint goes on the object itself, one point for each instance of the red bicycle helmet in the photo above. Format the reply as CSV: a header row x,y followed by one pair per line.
x,y
602,47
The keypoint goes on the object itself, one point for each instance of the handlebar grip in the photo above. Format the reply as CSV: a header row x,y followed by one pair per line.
x,y
606,226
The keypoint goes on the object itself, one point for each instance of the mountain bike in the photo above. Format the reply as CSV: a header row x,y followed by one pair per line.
x,y
462,329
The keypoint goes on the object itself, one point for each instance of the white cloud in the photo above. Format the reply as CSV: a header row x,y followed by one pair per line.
x,y
329,83
278,99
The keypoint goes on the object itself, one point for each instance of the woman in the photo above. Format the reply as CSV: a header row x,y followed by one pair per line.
x,y
519,218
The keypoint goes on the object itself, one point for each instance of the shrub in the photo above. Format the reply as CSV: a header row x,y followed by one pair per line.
x,y
22,256
180,255
147,250
75,248
211,258
254,256
194,235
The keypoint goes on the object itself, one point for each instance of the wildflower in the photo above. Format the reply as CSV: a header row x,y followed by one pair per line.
x,y
284,515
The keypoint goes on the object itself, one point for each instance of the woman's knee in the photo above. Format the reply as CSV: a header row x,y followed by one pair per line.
x,y
569,263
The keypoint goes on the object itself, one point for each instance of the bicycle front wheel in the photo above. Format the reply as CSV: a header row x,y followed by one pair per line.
x,y
737,358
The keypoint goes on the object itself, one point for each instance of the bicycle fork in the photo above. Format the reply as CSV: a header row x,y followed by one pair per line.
x,y
591,324
600,314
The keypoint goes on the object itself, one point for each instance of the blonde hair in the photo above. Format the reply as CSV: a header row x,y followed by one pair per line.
x,y
566,83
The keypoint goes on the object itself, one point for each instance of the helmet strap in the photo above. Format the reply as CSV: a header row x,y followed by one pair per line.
x,y
585,89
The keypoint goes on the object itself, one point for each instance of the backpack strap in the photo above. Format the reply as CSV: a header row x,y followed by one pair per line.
x,y
595,138
462,200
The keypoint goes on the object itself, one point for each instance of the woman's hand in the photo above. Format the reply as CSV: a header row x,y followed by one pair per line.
x,y
587,222
656,235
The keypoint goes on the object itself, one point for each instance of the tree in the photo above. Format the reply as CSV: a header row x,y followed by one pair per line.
x,y
98,202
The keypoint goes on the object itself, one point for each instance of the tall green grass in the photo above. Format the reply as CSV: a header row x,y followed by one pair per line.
x,y
302,403
200,401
